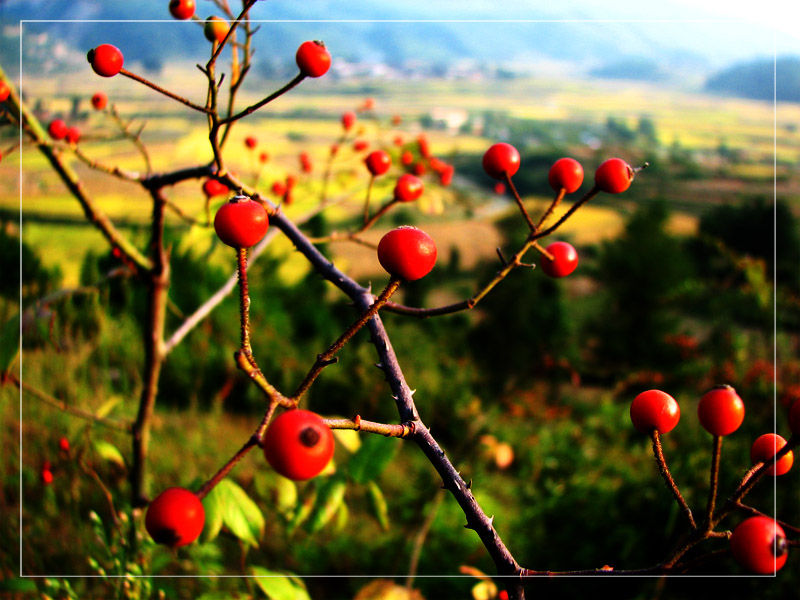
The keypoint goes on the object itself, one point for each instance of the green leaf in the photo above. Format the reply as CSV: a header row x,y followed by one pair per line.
x,y
240,514
309,499
279,586
18,585
213,505
107,406
109,452
9,343
379,506
329,499
277,491
372,458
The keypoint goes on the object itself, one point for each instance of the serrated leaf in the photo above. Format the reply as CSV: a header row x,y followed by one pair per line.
x,y
109,452
379,506
9,343
107,406
279,586
372,458
330,497
349,439
229,505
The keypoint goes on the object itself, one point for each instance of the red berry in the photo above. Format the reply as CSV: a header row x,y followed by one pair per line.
x,y
502,595
424,146
215,29
764,449
655,409
4,91
182,9
499,188
334,149
406,158
298,444
794,418
565,260
446,175
408,188
263,157
106,60
175,518
73,135
369,103
57,129
278,188
378,162
398,140
99,100
63,444
212,187
360,145
721,410
566,174
250,142
313,59
407,252
290,181
396,120
47,476
305,162
348,119
241,222
419,169
759,545
614,176
500,160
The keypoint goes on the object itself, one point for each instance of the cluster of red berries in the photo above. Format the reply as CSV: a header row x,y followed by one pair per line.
x,y
58,130
758,543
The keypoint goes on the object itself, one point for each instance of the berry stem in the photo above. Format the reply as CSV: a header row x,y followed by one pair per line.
x,y
328,357
399,430
716,451
244,301
662,466
251,109
366,201
553,205
161,90
588,196
522,208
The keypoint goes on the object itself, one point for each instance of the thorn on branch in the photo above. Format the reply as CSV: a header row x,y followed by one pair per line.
x,y
501,257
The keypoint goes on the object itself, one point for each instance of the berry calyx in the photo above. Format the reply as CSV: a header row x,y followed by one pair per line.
x,y
500,160
99,100
614,176
721,410
313,59
378,162
250,142
215,29
298,444
407,252
106,60
348,120
564,261
655,410
565,174
759,545
408,188
182,9
241,222
57,129
764,449
175,518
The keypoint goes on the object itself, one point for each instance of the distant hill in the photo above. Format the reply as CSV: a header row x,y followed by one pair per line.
x,y
760,80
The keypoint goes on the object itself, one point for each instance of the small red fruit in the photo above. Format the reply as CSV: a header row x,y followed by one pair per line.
x,y
566,174
182,9
407,252
241,222
655,409
106,60
212,187
564,262
278,188
499,188
313,59
47,476
721,410
419,169
99,100
263,157
215,29
408,188
396,120
446,175
407,158
298,444
424,146
614,176
398,140
360,145
175,518
305,162
63,444
759,545
764,449
348,120
57,129
500,160
250,142
378,162
73,135
4,91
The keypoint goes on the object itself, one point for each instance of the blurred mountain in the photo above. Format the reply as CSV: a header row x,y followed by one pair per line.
x,y
573,37
760,80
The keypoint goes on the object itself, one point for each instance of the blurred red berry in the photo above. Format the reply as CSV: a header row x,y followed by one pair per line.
x,y
73,135
57,129
4,91
408,188
278,188
378,162
614,176
215,29
250,142
764,449
500,160
63,444
182,9
348,120
99,100
360,145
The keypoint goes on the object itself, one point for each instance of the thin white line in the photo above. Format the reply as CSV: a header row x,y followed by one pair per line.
x,y
20,302
501,21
